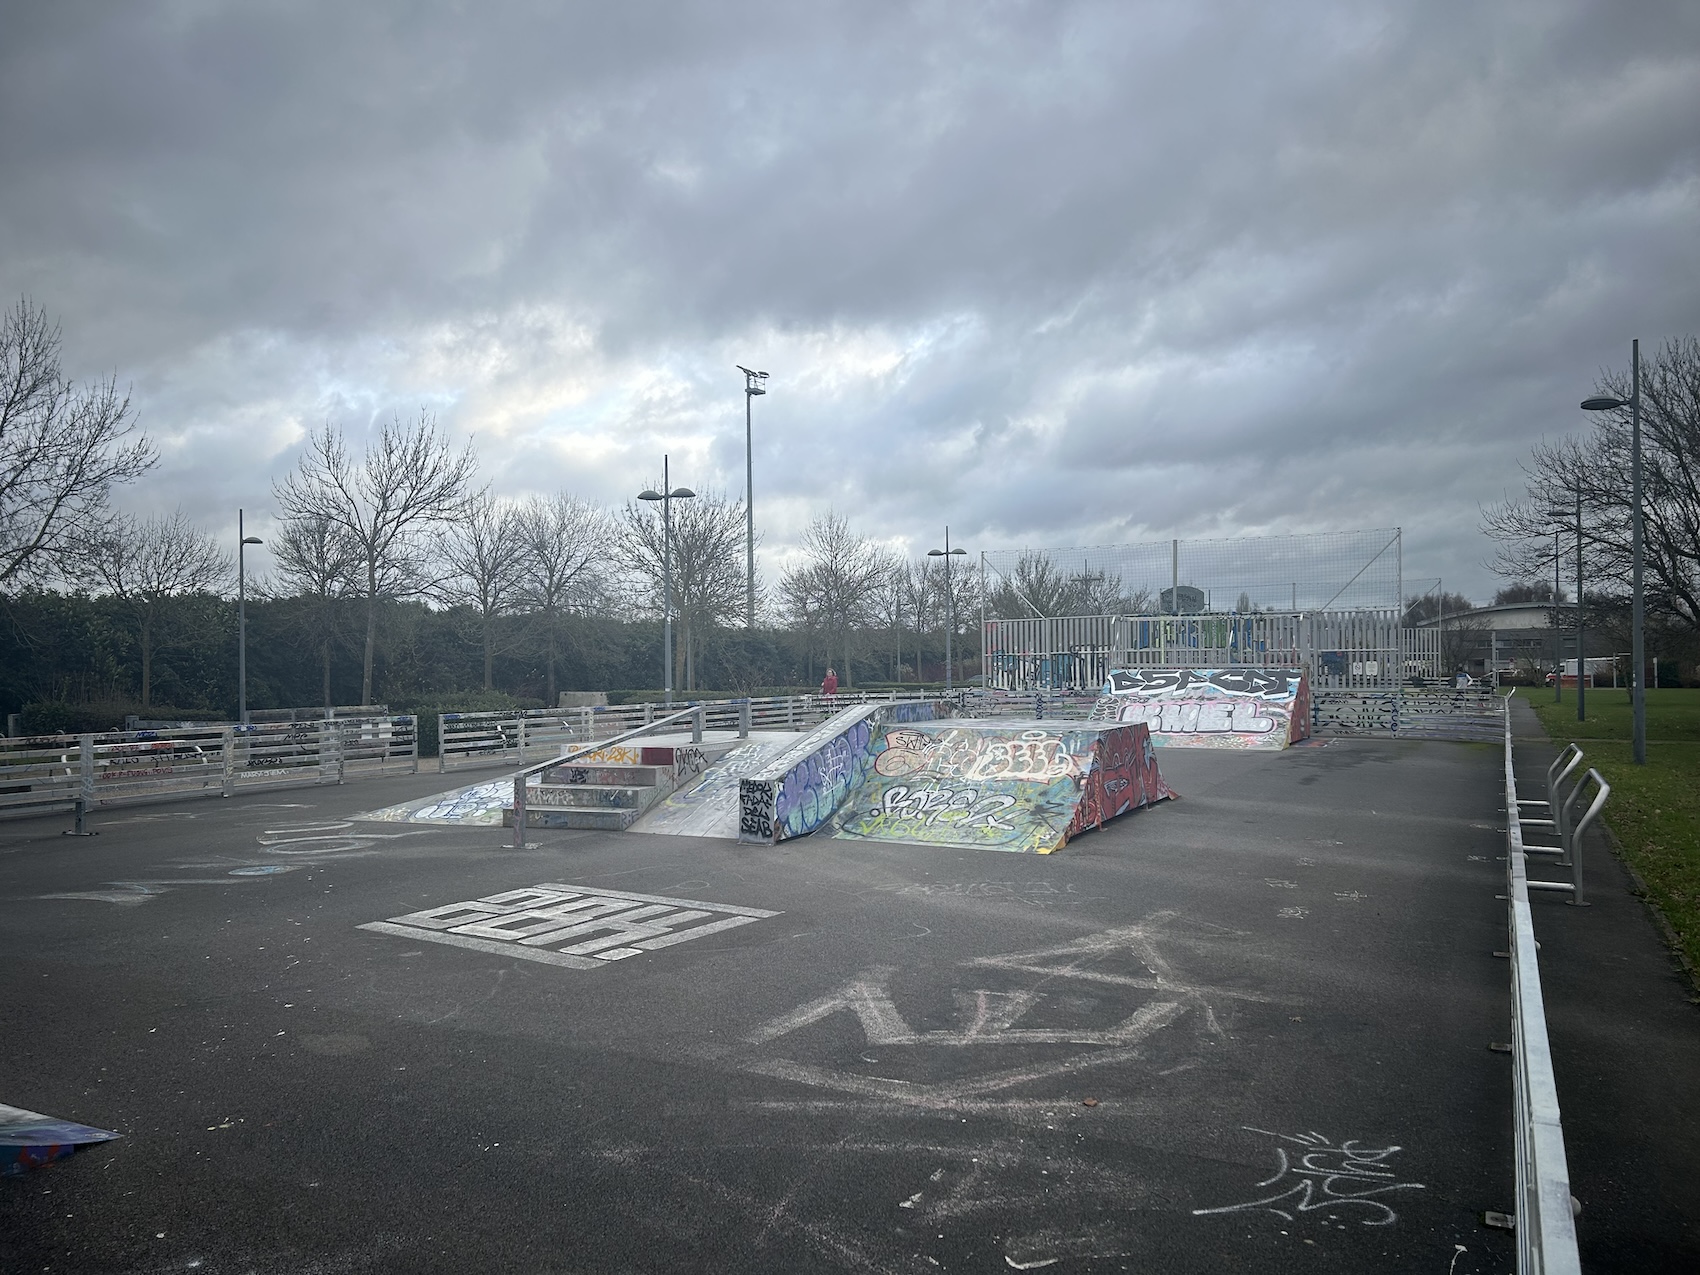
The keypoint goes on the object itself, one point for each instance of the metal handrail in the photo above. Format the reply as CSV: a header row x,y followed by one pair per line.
x,y
694,712
1546,1225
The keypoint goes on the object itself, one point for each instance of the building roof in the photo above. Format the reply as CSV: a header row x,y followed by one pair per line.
x,y
1506,615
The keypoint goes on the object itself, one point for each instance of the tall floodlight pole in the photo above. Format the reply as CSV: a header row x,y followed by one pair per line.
x,y
754,383
667,495
1637,640
1581,646
242,543
947,553
1561,518
1557,641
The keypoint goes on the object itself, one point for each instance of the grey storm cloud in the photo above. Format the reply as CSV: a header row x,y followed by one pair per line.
x,y
1054,273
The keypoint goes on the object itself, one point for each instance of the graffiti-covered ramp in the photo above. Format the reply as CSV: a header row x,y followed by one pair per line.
x,y
999,785
1261,708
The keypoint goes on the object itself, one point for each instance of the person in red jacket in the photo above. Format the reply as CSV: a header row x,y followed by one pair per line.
x,y
829,686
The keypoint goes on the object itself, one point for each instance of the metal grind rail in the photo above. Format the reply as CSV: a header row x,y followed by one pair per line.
x,y
1545,1222
695,714
497,738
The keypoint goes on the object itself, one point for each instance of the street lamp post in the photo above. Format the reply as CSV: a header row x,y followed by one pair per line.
x,y
754,383
1637,640
1581,646
667,495
242,543
947,553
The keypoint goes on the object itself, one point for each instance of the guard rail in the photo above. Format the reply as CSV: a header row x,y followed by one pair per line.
x,y
1545,1223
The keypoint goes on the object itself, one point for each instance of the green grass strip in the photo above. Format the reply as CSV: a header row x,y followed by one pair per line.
x,y
1654,809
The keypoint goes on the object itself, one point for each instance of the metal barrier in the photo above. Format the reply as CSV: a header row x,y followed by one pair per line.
x,y
1339,649
46,773
1545,1222
1408,713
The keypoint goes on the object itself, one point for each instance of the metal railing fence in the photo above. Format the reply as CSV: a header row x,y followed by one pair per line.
x,y
507,738
1545,1223
41,774
1368,649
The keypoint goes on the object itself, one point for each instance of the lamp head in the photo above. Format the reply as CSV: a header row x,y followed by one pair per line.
x,y
651,494
1604,404
681,493
935,553
252,540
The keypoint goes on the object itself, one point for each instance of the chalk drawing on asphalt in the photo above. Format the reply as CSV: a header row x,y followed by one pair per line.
x,y
987,1019
1339,1182
573,926
325,837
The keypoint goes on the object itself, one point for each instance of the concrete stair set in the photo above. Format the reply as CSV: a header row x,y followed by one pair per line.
x,y
610,795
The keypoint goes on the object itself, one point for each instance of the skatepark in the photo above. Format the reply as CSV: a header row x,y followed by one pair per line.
x,y
1235,1008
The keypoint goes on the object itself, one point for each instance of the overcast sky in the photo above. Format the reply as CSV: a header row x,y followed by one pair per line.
x,y
1054,274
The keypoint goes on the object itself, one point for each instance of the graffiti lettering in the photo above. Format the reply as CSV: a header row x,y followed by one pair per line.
x,y
944,805
1219,708
755,809
1232,681
1199,716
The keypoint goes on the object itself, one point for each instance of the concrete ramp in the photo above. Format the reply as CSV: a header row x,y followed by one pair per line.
x,y
801,788
709,807
999,785
1259,708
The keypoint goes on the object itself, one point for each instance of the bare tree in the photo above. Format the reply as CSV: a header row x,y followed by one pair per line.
x,y
407,483
1597,468
483,550
1038,588
319,561
840,581
923,600
147,564
709,585
62,450
567,551
891,607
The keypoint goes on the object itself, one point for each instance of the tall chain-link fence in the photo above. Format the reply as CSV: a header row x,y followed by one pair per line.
x,y
1323,571
1330,603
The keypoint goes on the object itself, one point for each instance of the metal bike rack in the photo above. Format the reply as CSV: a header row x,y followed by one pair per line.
x,y
1557,773
1569,850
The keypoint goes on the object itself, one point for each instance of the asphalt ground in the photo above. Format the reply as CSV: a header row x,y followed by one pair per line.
x,y
1624,1025
1243,1030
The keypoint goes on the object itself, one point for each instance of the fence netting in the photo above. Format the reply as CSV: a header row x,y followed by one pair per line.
x,y
1320,571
